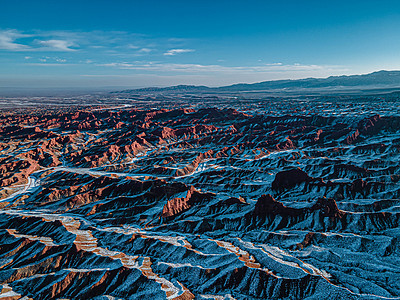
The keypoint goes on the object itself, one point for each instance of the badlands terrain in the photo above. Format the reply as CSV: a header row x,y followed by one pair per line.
x,y
200,198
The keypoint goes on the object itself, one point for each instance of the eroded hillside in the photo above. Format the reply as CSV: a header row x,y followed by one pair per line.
x,y
205,203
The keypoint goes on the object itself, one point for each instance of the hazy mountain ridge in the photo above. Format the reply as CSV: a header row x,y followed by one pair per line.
x,y
379,78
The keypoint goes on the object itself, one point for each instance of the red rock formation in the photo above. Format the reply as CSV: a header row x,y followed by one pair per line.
x,y
177,205
352,138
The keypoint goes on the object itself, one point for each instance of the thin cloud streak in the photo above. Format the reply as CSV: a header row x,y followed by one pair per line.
x,y
199,68
172,52
45,64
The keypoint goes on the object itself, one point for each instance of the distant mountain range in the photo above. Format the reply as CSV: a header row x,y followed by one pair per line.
x,y
378,79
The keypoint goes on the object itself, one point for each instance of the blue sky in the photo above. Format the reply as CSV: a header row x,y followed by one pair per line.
x,y
156,43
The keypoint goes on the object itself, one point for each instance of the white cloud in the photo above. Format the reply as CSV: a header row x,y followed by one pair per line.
x,y
8,40
177,51
59,45
130,46
50,60
145,50
118,65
